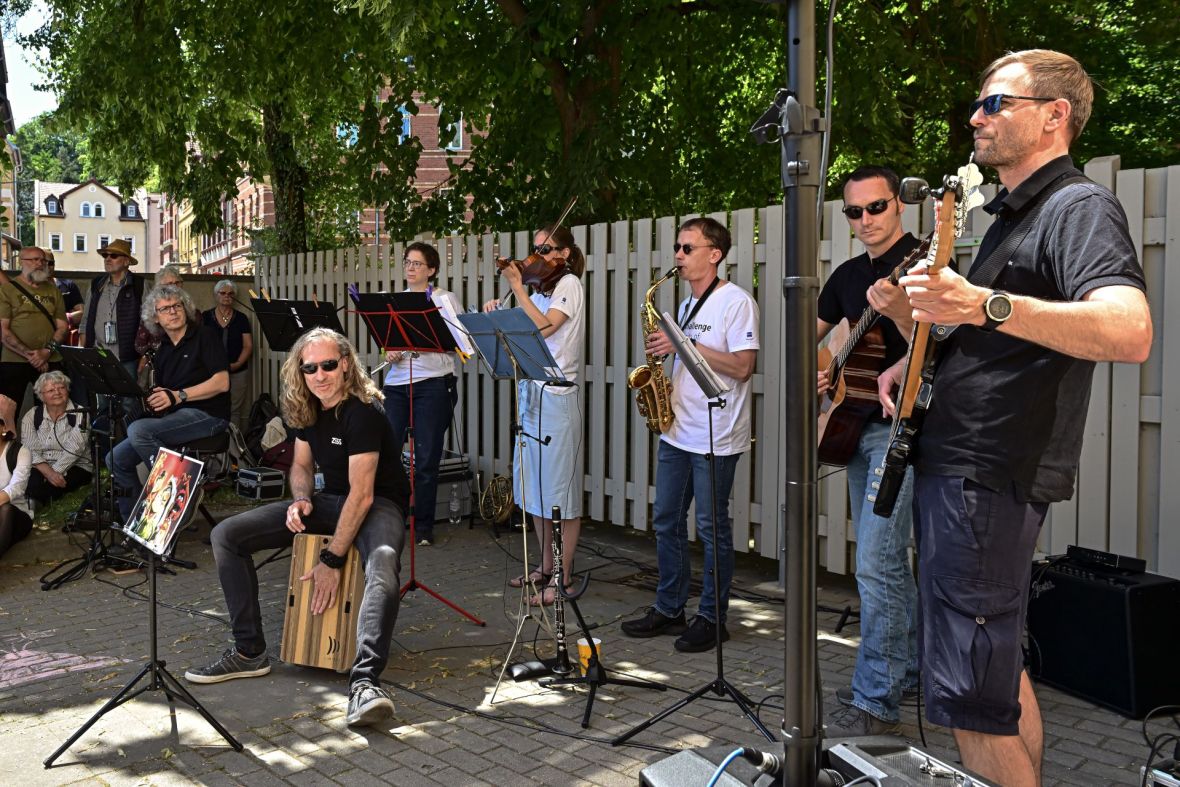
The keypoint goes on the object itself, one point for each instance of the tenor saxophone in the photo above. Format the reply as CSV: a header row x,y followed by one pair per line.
x,y
653,390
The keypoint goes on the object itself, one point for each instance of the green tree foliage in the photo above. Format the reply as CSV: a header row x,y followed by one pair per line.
x,y
209,91
49,151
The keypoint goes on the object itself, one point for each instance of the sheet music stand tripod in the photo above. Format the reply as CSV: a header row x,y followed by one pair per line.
x,y
512,348
159,679
409,322
103,374
713,387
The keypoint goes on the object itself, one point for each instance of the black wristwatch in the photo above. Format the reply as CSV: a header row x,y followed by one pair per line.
x,y
996,309
183,394
331,559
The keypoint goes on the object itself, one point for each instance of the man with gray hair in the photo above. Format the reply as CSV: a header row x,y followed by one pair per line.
x,y
190,400
32,323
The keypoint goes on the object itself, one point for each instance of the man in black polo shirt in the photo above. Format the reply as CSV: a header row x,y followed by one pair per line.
x,y
342,428
191,397
1003,434
887,659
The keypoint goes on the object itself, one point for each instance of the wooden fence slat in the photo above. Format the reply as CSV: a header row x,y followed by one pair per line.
x,y
595,390
618,339
771,407
641,453
1168,521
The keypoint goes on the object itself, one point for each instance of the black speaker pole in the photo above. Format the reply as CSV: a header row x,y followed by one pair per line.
x,y
801,187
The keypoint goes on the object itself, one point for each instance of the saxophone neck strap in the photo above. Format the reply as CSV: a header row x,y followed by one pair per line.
x,y
697,306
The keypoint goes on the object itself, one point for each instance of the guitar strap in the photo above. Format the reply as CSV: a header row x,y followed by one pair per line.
x,y
985,273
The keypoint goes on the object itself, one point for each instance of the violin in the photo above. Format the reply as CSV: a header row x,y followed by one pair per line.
x,y
536,271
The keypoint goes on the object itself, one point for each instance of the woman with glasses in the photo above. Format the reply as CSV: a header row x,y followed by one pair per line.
x,y
420,391
238,339
553,412
56,439
16,516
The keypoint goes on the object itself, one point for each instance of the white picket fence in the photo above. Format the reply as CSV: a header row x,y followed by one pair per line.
x,y
1122,503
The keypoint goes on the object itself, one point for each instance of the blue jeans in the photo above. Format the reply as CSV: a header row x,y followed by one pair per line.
x,y
887,660
380,540
434,402
148,435
682,476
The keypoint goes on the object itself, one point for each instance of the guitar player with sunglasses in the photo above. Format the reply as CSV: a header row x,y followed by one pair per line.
x,y
857,435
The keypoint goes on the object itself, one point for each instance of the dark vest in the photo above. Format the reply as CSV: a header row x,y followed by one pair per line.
x,y
126,313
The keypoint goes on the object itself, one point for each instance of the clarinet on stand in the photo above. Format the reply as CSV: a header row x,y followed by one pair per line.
x,y
562,664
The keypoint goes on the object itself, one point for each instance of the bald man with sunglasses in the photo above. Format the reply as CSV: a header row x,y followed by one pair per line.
x,y
887,659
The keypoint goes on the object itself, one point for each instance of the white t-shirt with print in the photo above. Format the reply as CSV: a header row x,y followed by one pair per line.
x,y
566,342
728,322
427,365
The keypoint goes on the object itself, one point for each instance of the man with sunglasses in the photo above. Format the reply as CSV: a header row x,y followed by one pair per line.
x,y
721,320
1003,434
341,428
191,397
887,659
112,315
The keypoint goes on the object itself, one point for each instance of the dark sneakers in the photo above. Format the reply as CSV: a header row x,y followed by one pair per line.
x,y
856,723
367,704
653,624
701,636
231,665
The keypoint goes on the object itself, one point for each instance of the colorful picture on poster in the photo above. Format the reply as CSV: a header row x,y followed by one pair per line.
x,y
168,500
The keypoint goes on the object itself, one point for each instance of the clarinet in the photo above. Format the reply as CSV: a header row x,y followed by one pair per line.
x,y
149,355
562,664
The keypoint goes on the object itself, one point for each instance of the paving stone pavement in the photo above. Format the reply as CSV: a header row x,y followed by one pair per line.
x,y
65,652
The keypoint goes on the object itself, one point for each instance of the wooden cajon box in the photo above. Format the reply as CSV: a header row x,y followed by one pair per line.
x,y
327,640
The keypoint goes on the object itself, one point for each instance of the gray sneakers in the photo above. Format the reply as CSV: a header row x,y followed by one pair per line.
x,y
855,723
231,665
367,705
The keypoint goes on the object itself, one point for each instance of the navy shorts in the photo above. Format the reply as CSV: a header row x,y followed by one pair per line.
x,y
975,550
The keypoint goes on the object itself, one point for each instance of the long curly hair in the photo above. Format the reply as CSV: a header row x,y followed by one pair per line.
x,y
299,405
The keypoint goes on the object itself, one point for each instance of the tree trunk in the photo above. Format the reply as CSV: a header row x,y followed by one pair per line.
x,y
288,182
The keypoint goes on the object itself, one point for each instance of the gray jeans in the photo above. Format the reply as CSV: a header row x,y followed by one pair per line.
x,y
379,541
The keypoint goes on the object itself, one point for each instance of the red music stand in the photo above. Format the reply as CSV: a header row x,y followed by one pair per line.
x,y
409,322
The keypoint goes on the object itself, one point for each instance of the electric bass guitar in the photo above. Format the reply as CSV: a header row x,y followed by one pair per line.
x,y
851,398
958,195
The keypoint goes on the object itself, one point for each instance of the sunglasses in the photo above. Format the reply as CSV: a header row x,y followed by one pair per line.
x,y
689,248
328,366
171,308
875,208
995,102
545,248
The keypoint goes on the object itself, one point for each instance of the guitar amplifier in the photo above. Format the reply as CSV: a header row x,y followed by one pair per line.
x,y
327,640
1105,634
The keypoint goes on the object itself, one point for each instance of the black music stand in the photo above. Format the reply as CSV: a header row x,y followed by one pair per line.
x,y
159,679
512,348
283,321
409,322
713,387
102,373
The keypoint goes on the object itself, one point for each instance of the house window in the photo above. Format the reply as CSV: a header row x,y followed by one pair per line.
x,y
130,239
98,210
84,211
104,241
405,126
132,212
51,206
79,241
450,136
55,241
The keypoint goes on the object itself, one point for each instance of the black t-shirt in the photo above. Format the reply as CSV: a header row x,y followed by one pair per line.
x,y
845,295
70,293
197,357
353,427
231,335
1006,411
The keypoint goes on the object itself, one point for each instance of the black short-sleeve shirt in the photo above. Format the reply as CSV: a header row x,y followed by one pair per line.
x,y
845,294
231,335
1005,411
193,360
353,427
70,293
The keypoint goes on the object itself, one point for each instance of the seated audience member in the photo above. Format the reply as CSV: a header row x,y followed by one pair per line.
x,y
16,518
191,397
56,440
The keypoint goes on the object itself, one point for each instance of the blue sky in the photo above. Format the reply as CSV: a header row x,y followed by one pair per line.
x,y
27,103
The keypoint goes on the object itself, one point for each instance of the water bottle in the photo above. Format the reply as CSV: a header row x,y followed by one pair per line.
x,y
455,506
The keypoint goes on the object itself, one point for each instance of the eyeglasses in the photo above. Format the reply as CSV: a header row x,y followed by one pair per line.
x,y
412,264
995,102
875,208
171,308
690,248
328,366
545,248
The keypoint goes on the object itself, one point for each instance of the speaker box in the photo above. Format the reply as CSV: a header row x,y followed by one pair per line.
x,y
1105,635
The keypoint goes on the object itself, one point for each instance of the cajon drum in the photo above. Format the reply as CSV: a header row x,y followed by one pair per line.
x,y
327,640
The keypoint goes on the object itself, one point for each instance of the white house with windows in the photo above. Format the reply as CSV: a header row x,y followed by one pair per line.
x,y
75,220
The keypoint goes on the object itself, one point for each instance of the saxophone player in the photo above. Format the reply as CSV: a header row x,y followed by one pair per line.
x,y
721,319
